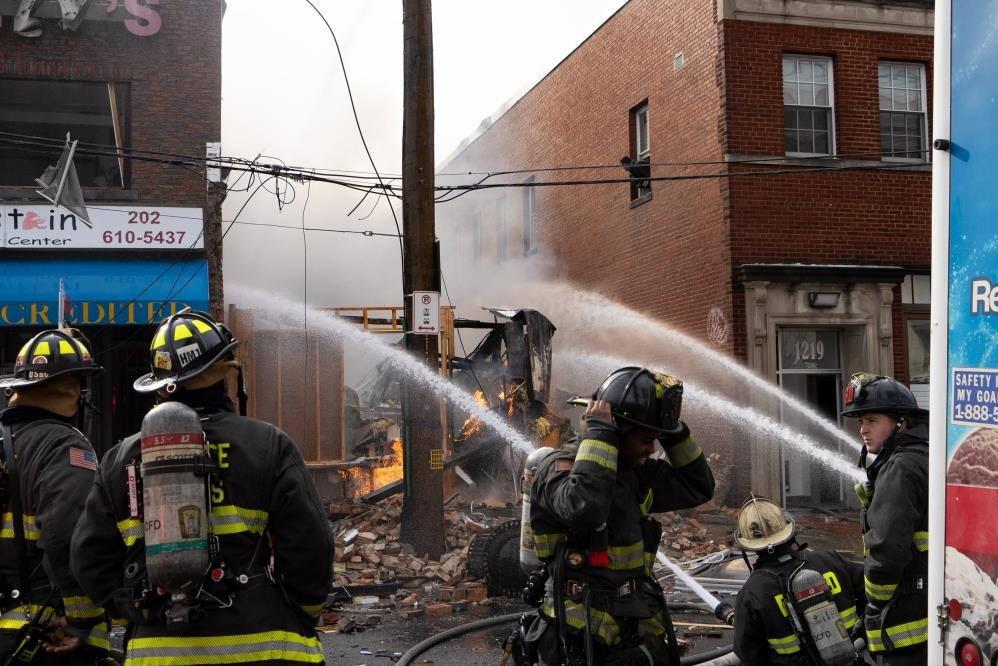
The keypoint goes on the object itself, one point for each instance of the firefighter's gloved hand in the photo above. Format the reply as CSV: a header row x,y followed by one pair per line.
x,y
670,439
858,631
599,420
872,617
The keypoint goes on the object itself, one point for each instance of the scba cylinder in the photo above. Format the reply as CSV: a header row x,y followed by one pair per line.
x,y
821,618
529,561
175,505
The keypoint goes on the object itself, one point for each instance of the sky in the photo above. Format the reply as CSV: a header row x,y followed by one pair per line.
x,y
283,96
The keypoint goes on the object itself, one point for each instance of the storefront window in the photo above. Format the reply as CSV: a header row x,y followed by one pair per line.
x,y
91,112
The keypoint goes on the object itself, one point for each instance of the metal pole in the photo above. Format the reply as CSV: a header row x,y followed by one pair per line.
x,y
422,509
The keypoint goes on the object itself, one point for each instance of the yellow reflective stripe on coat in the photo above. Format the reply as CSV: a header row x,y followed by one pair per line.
x,y
909,633
921,541
874,642
230,519
30,528
849,617
312,610
623,558
786,645
81,608
229,649
17,617
131,530
545,544
684,453
648,501
649,563
601,453
879,592
601,623
98,637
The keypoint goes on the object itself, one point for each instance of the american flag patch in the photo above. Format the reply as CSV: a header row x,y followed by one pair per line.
x,y
81,458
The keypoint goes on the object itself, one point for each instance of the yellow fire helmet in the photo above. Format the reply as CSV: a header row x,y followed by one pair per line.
x,y
763,525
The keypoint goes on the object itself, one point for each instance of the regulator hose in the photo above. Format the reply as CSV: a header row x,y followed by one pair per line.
x,y
419,648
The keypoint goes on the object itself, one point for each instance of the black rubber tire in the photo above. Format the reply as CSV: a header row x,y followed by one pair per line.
x,y
504,577
478,554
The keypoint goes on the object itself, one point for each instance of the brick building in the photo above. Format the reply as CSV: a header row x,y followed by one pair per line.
x,y
815,275
121,75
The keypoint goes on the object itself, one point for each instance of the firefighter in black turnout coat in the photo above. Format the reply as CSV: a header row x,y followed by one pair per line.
x,y
765,633
270,542
591,516
895,516
44,489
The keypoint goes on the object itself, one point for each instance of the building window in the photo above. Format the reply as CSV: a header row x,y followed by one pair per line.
x,y
501,228
529,219
638,166
808,104
476,237
902,110
915,304
88,111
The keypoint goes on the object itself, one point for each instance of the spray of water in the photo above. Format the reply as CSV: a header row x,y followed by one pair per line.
x,y
587,311
324,323
690,581
600,365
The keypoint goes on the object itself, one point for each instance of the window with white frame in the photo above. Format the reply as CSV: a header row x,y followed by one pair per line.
x,y
529,218
638,167
501,238
902,110
808,105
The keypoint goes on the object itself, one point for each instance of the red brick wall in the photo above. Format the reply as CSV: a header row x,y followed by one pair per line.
x,y
860,217
175,80
667,257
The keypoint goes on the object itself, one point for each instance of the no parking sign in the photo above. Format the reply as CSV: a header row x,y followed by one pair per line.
x,y
426,312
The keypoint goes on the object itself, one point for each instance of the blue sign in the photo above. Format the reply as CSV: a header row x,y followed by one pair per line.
x,y
975,397
100,291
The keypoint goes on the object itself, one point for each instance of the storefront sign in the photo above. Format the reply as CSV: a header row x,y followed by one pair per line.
x,y
140,17
35,227
102,291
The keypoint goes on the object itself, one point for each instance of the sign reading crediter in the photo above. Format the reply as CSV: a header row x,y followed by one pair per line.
x,y
35,227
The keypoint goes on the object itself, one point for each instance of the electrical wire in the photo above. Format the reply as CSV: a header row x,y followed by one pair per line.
x,y
360,131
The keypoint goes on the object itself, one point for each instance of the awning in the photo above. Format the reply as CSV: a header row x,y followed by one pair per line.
x,y
102,291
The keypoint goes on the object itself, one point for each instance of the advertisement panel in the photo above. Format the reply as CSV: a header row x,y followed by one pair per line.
x,y
966,249
100,291
46,227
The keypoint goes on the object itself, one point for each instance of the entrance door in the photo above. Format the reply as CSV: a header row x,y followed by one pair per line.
x,y
810,369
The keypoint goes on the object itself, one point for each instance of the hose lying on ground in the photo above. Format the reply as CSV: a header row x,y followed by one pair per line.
x,y
431,642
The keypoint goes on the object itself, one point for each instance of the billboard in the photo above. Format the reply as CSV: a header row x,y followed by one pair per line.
x,y
963,529
100,291
46,227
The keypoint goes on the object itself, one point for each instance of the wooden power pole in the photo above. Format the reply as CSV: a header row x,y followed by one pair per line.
x,y
422,509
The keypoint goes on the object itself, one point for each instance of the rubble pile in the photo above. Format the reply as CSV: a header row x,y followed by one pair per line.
x,y
685,537
368,549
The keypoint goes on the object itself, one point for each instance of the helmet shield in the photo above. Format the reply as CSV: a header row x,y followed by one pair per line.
x,y
50,354
183,347
643,398
868,393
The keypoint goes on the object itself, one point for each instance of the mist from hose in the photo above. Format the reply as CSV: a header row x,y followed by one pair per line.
x,y
689,580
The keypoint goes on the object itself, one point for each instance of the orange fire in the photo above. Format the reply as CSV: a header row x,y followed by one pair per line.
x,y
364,479
473,424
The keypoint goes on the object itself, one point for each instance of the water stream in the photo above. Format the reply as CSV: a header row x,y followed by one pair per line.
x,y
597,366
327,324
689,580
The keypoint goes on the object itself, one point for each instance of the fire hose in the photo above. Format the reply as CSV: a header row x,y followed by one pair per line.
x,y
421,647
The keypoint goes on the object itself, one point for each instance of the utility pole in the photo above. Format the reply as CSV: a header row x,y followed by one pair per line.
x,y
422,508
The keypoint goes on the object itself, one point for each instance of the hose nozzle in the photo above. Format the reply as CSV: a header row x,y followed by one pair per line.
x,y
725,613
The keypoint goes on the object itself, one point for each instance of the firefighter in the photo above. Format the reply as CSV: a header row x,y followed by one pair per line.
x,y
270,544
591,515
894,518
765,632
48,469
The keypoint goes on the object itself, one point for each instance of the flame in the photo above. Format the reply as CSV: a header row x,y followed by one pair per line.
x,y
473,424
362,480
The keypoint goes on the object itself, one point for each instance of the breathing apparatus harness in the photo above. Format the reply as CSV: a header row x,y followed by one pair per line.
x,y
216,588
